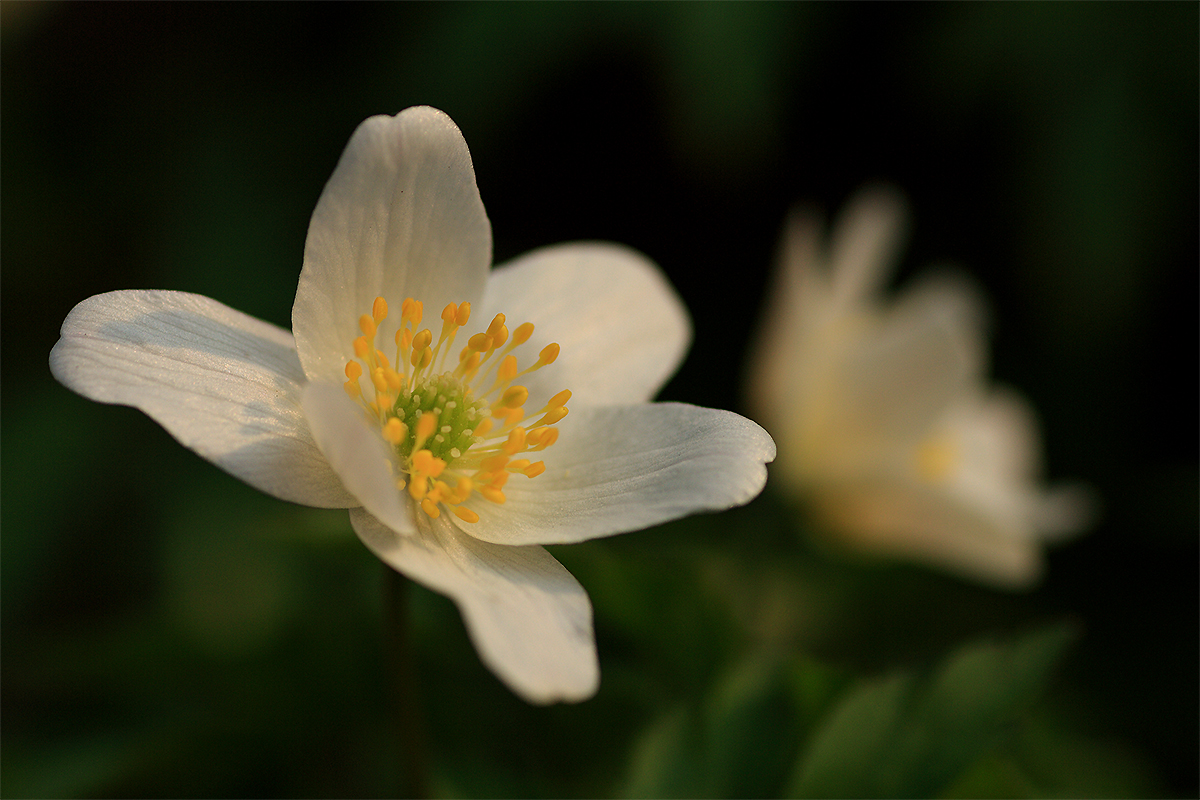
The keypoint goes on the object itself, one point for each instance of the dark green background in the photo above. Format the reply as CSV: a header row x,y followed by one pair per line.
x,y
168,631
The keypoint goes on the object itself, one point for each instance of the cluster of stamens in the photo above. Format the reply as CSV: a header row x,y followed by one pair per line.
x,y
456,431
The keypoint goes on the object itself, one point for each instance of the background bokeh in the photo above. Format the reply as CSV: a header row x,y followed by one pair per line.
x,y
168,631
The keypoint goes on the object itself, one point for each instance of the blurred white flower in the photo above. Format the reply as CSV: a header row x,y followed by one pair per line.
x,y
886,426
367,409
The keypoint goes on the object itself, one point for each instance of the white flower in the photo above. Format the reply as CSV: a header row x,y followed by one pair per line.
x,y
369,409
885,424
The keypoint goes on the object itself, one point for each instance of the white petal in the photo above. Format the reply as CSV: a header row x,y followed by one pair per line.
x,y
932,527
927,351
223,383
998,443
865,242
529,618
358,453
618,469
401,217
622,328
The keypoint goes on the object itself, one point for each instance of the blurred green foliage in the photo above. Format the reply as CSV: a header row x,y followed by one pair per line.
x,y
170,632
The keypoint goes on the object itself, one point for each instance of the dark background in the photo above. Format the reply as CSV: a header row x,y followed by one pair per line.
x,y
168,631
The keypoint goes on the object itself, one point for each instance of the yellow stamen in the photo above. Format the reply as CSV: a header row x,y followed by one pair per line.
x,y
453,438
521,335
549,355
495,495
507,370
379,310
367,325
513,397
395,431
516,441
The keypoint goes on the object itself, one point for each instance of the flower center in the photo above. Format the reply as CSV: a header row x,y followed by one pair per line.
x,y
937,458
455,431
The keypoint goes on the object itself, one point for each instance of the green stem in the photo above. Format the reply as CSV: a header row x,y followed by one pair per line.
x,y
403,688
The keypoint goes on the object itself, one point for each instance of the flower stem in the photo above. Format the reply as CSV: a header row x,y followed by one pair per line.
x,y
402,689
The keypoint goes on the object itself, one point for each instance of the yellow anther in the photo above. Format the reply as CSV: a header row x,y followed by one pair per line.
x,y
535,469
353,370
514,397
429,508
481,342
518,465
450,314
511,416
418,486
499,479
507,370
379,310
522,333
421,358
367,325
425,463
497,324
362,346
554,415
412,309
469,364
426,425
353,389
463,488
483,428
395,381
516,441
500,337
395,431
382,359
463,313
422,340
379,380
466,514
549,437
495,495
549,354
559,399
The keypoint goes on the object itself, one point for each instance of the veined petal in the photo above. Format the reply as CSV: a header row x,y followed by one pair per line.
x,y
358,453
400,217
622,328
623,468
528,617
223,383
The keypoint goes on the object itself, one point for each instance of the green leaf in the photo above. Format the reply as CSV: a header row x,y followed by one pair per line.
x,y
912,735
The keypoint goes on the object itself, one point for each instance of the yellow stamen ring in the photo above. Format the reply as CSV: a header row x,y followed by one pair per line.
x,y
452,443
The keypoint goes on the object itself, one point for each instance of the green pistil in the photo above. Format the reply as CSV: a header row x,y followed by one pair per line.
x,y
455,407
